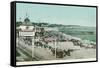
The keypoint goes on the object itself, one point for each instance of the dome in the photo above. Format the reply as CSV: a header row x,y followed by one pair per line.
x,y
27,20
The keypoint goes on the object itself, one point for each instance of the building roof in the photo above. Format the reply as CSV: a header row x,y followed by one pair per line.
x,y
26,22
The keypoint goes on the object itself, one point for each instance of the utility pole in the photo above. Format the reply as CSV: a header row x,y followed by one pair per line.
x,y
33,41
55,47
32,47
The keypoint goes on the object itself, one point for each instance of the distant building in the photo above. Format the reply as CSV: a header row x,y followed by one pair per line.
x,y
26,25
30,31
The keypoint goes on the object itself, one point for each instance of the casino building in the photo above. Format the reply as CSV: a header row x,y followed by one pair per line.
x,y
28,31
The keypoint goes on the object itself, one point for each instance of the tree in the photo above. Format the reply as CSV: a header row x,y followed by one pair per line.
x,y
18,24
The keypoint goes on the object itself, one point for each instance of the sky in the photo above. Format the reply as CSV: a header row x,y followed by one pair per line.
x,y
55,14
